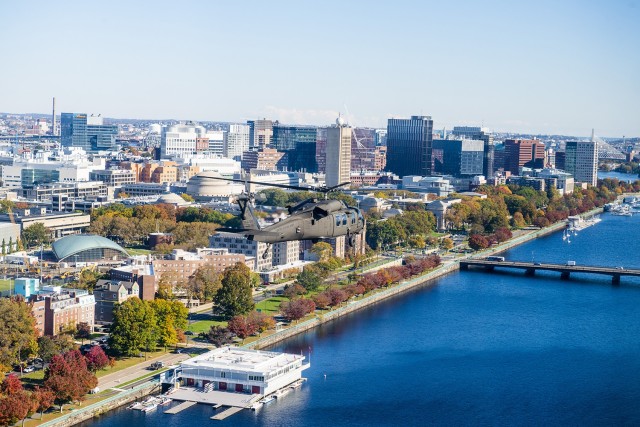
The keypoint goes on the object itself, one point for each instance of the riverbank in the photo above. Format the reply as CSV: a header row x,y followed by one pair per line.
x,y
426,279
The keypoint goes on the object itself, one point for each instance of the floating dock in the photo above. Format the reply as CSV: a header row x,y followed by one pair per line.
x,y
226,413
180,407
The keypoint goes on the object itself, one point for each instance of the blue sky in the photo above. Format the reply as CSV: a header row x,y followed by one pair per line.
x,y
546,66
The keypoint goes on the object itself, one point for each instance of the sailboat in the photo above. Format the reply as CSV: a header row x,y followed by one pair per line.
x,y
564,235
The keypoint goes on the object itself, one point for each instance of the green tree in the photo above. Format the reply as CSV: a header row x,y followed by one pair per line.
x,y
171,316
36,234
205,282
322,250
187,198
17,332
134,328
87,279
234,296
446,244
311,277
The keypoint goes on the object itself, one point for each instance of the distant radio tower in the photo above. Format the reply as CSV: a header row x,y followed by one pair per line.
x,y
53,121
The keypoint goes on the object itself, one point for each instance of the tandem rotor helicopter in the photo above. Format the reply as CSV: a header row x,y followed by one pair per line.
x,y
311,219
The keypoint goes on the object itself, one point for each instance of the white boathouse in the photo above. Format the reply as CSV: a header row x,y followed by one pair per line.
x,y
234,369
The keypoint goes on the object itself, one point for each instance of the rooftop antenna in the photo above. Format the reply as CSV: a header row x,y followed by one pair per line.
x,y
593,135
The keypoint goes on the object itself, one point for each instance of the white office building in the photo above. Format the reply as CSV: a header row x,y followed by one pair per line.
x,y
338,152
236,141
181,139
237,244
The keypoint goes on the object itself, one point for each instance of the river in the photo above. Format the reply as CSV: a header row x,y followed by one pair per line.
x,y
628,177
473,348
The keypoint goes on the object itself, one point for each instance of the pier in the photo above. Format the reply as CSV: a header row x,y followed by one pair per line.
x,y
180,407
565,270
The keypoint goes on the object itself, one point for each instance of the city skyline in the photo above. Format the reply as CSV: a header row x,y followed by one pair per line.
x,y
571,68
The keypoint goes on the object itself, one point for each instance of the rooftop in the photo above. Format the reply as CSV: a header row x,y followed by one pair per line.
x,y
242,360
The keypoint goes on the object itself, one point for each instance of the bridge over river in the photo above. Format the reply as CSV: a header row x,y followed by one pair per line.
x,y
564,269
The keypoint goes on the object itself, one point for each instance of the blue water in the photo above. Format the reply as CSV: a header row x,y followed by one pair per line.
x,y
473,349
628,177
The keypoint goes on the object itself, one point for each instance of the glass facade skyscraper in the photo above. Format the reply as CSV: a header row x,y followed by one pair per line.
x,y
299,142
409,146
458,157
88,132
483,134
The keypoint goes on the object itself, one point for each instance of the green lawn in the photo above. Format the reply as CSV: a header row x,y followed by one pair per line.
x,y
5,285
136,251
270,305
204,325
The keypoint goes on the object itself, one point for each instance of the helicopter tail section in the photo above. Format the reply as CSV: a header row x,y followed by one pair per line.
x,y
248,217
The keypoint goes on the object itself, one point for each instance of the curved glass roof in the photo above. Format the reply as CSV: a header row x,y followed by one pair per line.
x,y
71,245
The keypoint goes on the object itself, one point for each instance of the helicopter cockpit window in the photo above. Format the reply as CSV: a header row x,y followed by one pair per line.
x,y
344,220
352,216
337,220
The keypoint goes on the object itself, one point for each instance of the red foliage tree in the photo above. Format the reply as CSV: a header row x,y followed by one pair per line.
x,y
322,300
293,291
96,359
261,321
503,234
336,296
478,241
11,385
43,399
14,407
241,326
68,377
297,309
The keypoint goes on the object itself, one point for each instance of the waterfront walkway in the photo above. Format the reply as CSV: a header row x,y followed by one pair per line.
x,y
116,379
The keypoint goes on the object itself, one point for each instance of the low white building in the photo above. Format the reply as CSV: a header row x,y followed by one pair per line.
x,y
239,370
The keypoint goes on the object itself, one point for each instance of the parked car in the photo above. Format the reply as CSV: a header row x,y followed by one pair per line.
x,y
28,369
157,365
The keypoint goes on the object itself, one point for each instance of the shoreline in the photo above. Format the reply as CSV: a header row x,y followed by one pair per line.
x,y
426,279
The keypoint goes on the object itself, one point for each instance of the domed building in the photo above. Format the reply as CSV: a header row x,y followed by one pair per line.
x,y
202,187
172,199
87,248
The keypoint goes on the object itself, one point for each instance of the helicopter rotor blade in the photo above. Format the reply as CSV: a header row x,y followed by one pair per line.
x,y
246,181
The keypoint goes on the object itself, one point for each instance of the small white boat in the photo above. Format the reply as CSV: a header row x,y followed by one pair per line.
x,y
267,399
149,407
164,400
282,392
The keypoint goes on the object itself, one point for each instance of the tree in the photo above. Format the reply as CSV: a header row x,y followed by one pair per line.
x,y
242,327
322,250
446,244
171,316
219,335
234,296
263,322
294,290
17,332
322,300
83,331
88,279
14,408
517,221
49,347
187,198
96,359
44,399
478,241
205,282
36,234
68,377
297,309
134,327
311,277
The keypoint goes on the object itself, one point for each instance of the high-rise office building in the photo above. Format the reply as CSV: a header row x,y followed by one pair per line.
x,y
519,153
482,134
216,142
260,133
338,168
458,157
363,149
88,132
409,145
181,139
236,141
299,142
581,161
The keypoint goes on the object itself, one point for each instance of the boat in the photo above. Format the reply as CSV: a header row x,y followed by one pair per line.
x,y
267,399
164,400
149,407
282,392
135,405
297,384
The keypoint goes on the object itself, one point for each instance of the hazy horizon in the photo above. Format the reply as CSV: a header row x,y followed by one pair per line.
x,y
541,68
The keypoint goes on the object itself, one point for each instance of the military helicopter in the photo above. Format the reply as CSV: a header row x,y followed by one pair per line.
x,y
311,219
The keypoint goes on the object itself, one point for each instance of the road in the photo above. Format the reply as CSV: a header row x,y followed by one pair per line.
x,y
118,378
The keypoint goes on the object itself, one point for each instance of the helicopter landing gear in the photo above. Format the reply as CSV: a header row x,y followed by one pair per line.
x,y
351,239
265,254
